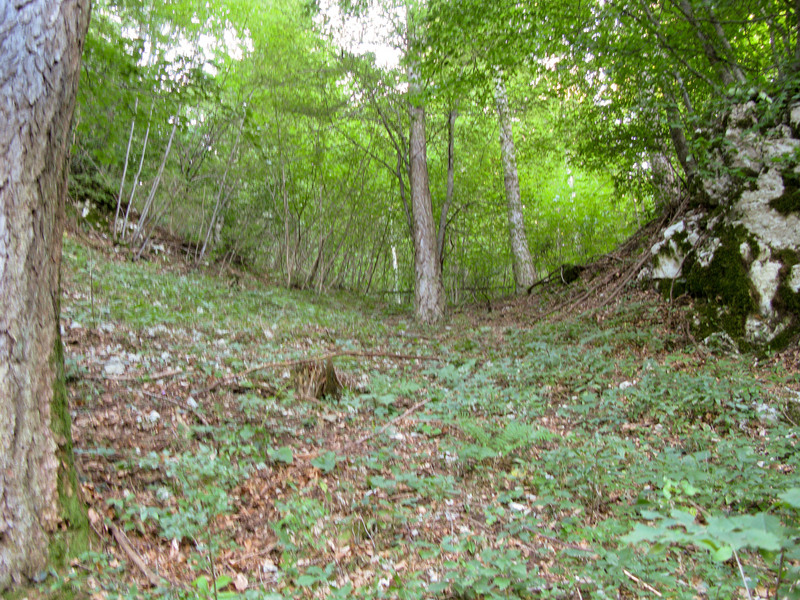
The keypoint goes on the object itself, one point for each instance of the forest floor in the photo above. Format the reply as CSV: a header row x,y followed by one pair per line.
x,y
517,451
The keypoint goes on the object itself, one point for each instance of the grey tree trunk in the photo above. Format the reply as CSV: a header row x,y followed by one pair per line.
x,y
125,169
524,272
451,185
40,54
428,290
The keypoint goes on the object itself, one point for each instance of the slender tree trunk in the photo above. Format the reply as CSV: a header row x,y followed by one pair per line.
x,y
679,142
797,35
722,38
39,68
451,186
524,272
222,198
138,175
157,181
403,196
725,72
428,291
125,169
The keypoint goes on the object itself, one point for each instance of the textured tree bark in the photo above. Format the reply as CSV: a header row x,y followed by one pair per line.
x,y
524,272
451,185
428,292
40,54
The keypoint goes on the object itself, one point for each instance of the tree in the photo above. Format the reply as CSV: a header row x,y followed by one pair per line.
x,y
524,273
428,290
39,67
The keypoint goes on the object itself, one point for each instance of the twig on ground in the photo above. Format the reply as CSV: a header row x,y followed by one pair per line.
x,y
741,573
127,547
644,584
417,406
139,376
194,411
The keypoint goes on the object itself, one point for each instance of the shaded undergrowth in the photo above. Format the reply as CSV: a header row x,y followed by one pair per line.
x,y
595,456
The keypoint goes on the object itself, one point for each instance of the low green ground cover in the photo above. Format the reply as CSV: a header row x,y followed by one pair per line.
x,y
591,456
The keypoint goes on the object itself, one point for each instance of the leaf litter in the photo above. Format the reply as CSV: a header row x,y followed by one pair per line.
x,y
484,469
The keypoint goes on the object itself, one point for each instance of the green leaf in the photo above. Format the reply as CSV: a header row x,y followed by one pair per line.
x,y
438,587
502,583
642,533
306,580
791,498
722,554
327,462
201,583
282,455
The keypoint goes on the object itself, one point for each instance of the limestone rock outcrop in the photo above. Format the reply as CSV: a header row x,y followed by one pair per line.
x,y
737,251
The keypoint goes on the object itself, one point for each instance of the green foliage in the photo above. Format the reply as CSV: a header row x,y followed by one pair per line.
x,y
327,462
726,535
283,455
299,527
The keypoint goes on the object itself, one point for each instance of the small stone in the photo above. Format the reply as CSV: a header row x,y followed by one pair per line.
x,y
153,416
114,366
268,566
192,403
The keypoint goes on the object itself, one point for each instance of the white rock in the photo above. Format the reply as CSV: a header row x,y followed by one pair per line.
x,y
766,413
744,250
153,416
794,117
114,366
794,280
777,230
192,403
764,276
626,384
666,266
268,566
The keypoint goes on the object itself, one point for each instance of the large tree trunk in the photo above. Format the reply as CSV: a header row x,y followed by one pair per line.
x,y
429,293
524,272
40,56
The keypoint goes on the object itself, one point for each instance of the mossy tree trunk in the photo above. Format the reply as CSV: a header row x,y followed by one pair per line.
x,y
40,55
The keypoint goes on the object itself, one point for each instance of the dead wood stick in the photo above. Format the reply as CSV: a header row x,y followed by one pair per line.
x,y
304,361
194,411
644,584
417,406
126,545
162,375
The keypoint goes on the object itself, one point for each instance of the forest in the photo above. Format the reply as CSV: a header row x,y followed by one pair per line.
x,y
423,299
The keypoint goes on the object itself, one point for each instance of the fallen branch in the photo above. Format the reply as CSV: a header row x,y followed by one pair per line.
x,y
417,406
162,375
126,545
644,584
194,411
303,361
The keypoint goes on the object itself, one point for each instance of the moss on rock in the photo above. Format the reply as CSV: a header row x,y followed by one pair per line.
x,y
723,287
789,202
